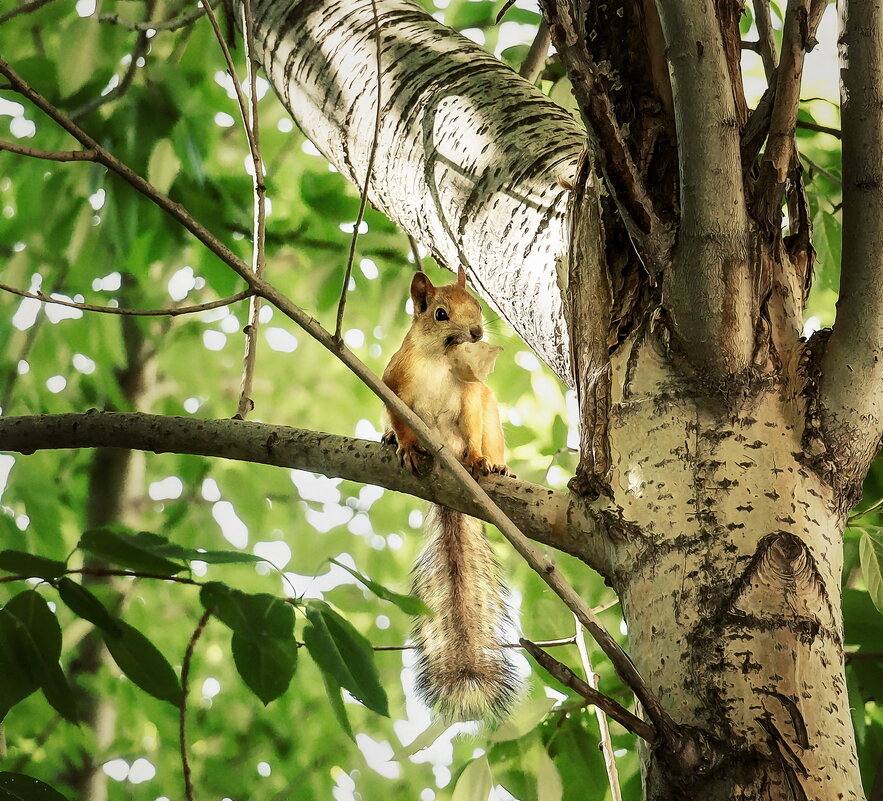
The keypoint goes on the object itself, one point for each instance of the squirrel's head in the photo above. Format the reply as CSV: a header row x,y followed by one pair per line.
x,y
445,316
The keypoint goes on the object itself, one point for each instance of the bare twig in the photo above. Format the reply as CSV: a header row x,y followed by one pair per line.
x,y
24,8
814,126
363,200
173,24
429,439
248,113
568,678
173,312
766,44
415,252
798,37
536,57
182,720
139,51
259,224
49,155
600,715
821,170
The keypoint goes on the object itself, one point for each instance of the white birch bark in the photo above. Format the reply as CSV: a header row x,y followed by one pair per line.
x,y
468,153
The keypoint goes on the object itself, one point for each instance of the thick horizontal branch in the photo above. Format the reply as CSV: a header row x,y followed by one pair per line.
x,y
552,518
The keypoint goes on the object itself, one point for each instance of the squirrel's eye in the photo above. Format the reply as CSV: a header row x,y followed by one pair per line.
x,y
441,314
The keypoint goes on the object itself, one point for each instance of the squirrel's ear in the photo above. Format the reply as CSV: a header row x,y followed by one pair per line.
x,y
422,291
461,277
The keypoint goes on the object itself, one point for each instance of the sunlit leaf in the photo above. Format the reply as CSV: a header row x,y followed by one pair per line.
x,y
475,782
871,553
407,603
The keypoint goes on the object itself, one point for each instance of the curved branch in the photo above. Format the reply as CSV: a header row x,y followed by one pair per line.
x,y
851,389
552,518
709,288
469,154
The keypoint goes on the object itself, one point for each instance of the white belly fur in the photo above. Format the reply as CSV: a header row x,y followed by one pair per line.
x,y
440,400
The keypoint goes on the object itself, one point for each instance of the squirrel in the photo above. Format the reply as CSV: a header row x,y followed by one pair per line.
x,y
464,671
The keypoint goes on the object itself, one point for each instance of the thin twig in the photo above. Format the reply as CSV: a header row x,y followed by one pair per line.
x,y
539,562
173,24
48,155
536,56
25,8
259,220
415,252
174,312
363,200
249,116
766,44
139,51
568,678
821,170
814,126
182,721
600,716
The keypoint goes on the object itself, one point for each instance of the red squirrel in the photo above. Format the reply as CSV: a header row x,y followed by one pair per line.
x,y
464,671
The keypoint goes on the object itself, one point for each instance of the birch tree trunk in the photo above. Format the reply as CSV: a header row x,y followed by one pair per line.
x,y
708,425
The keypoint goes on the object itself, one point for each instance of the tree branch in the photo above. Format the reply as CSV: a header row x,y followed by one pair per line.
x,y
428,438
709,287
629,721
798,37
478,148
182,720
24,8
173,24
851,389
535,60
766,43
173,312
550,517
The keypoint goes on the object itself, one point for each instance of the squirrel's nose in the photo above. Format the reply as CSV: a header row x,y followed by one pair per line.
x,y
476,332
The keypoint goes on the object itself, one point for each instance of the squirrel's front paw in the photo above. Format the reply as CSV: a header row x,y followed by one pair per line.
x,y
389,438
411,456
503,470
479,466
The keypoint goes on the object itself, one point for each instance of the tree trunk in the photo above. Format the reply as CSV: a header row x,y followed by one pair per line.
x,y
731,592
705,422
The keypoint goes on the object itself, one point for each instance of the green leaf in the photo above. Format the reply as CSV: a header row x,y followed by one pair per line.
x,y
871,555
30,565
19,680
475,782
266,663
407,603
18,787
332,689
559,432
472,15
340,650
142,662
135,552
223,557
83,603
43,649
257,614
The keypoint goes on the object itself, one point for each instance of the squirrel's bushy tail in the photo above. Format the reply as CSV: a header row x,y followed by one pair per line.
x,y
463,669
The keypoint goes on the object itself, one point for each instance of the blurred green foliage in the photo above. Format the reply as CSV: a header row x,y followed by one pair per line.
x,y
75,230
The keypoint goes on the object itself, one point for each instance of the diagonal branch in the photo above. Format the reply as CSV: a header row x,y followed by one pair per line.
x,y
851,391
568,678
709,287
798,37
428,438
560,521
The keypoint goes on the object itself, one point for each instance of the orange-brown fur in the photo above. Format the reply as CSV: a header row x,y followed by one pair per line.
x,y
463,668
